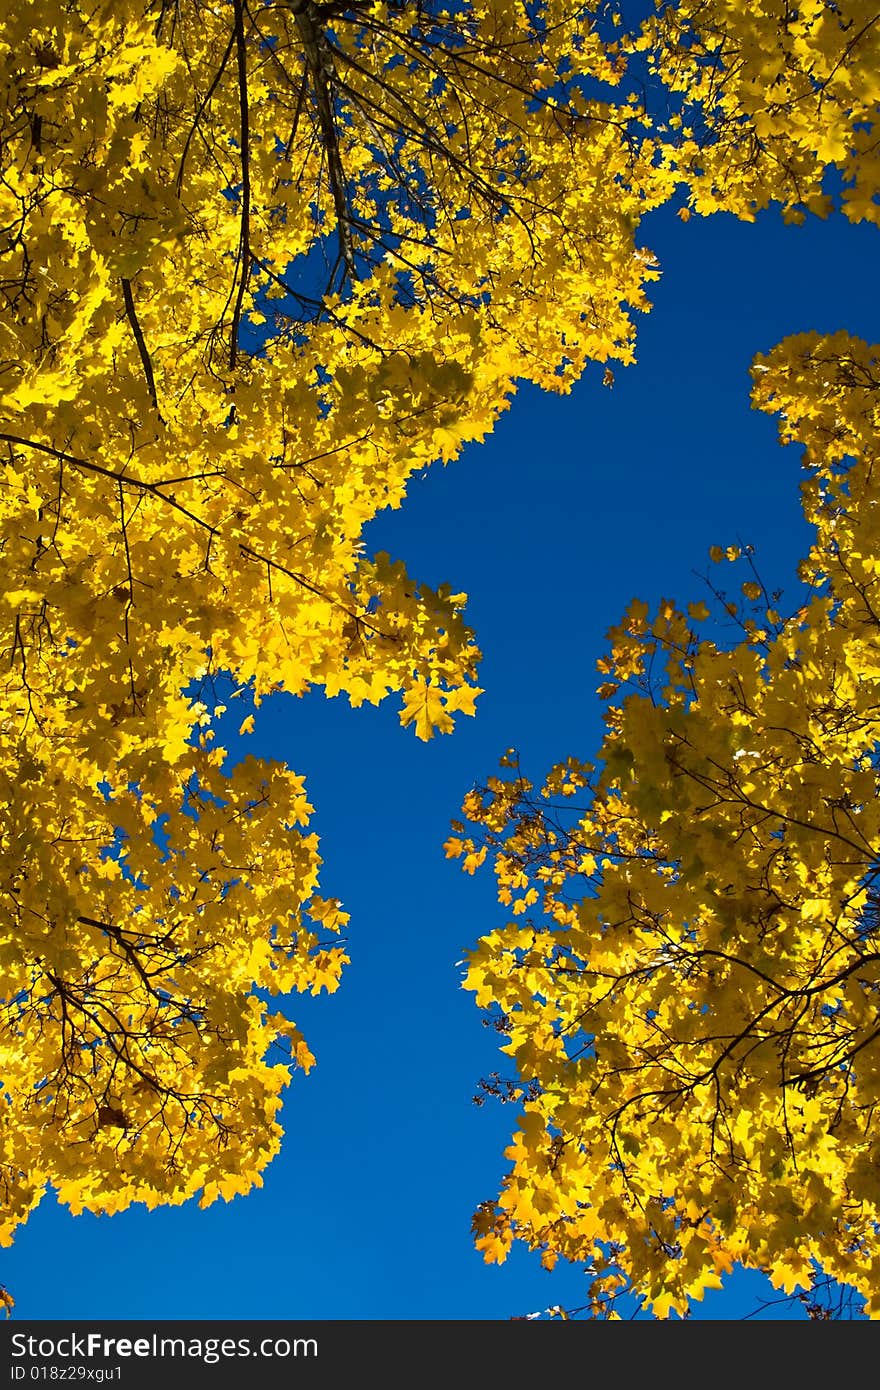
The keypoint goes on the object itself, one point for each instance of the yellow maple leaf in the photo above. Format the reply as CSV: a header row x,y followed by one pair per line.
x,y
424,705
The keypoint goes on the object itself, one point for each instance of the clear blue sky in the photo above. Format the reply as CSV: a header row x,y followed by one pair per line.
x,y
576,505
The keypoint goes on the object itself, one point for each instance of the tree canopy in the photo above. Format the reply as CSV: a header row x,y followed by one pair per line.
x,y
688,985
261,264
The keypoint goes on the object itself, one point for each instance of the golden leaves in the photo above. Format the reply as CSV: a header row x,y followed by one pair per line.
x,y
177,507
430,708
779,99
695,996
194,445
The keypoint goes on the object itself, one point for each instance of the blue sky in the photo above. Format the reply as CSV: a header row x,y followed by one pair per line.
x,y
576,505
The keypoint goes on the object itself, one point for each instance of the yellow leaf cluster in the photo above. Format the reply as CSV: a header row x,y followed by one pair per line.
x,y
693,997
260,267
766,100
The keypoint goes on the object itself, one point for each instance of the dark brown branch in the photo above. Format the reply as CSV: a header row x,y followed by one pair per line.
x,y
316,51
201,111
136,329
244,251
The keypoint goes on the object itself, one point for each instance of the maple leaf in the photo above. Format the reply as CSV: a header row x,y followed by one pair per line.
x,y
425,706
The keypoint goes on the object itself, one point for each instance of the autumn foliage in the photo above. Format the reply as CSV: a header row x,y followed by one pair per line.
x,y
690,975
688,981
260,264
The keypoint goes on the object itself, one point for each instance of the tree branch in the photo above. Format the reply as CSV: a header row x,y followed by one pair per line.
x,y
141,342
244,234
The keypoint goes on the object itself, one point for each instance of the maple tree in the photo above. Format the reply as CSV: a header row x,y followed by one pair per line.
x,y
260,264
688,983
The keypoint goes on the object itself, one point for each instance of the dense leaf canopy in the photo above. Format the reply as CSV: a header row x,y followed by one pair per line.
x,y
260,264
